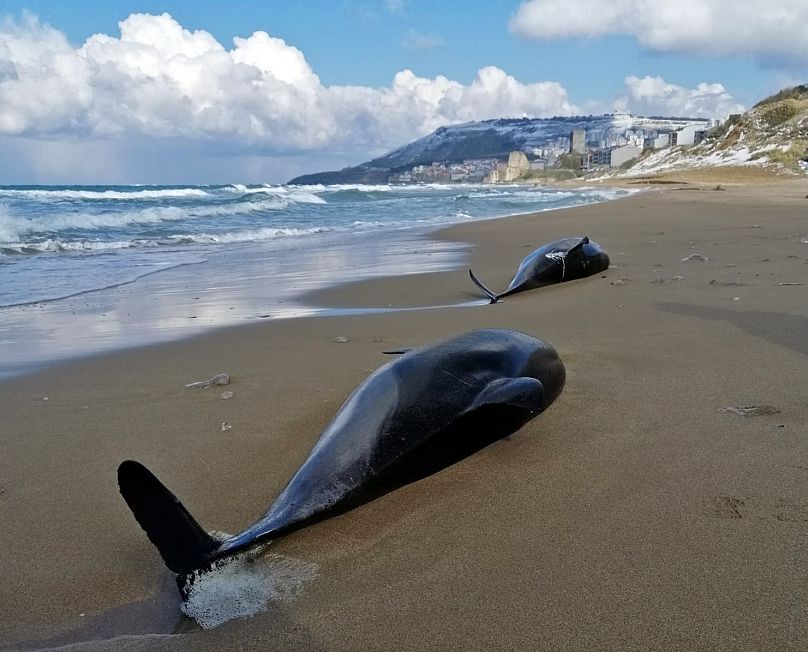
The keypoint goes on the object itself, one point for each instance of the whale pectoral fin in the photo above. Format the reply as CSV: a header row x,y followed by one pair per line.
x,y
398,351
183,544
524,392
489,293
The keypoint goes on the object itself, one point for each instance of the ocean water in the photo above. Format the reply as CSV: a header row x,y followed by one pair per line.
x,y
89,268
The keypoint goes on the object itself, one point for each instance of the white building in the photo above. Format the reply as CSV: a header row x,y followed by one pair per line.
x,y
620,155
662,140
685,135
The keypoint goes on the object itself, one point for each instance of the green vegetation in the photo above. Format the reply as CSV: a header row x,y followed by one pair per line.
x,y
569,162
791,156
555,174
796,93
781,112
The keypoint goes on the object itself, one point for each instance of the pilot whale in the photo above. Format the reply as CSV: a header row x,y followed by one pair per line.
x,y
413,416
562,260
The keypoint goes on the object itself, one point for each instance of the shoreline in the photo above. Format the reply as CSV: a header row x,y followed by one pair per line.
x,y
159,307
634,509
257,282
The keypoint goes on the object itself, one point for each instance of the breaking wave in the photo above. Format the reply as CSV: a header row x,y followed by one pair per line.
x,y
13,228
162,193
249,235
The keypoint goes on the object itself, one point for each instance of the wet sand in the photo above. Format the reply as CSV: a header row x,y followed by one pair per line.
x,y
634,514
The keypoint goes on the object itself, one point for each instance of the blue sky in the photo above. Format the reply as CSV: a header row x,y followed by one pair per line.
x,y
322,88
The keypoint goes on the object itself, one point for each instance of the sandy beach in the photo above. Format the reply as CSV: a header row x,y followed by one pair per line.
x,y
635,514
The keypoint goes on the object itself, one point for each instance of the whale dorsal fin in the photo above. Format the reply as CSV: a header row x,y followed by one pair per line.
x,y
580,245
522,392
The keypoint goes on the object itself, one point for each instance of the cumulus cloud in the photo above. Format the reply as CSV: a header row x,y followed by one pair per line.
x,y
766,28
654,96
158,79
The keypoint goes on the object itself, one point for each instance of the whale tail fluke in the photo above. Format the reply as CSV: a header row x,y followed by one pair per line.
x,y
183,544
491,295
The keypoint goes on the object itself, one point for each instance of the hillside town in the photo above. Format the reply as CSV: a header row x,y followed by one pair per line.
x,y
583,150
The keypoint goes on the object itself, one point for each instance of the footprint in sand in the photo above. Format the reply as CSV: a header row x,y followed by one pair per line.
x,y
783,510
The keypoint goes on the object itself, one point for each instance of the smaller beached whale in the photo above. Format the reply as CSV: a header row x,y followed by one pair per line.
x,y
562,260
413,416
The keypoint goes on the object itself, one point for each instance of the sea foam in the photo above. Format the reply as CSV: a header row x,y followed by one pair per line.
x,y
243,586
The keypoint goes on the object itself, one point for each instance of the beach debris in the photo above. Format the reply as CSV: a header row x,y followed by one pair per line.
x,y
697,257
661,281
804,240
619,281
727,284
750,410
718,187
226,395
340,340
789,284
226,425
218,379
44,398
265,316
756,226
736,298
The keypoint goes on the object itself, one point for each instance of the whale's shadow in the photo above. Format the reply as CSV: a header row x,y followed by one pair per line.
x,y
783,329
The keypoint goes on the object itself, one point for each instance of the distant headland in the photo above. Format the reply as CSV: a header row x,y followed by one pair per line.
x,y
773,134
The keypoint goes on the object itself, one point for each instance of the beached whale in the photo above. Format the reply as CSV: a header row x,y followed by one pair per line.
x,y
415,415
562,260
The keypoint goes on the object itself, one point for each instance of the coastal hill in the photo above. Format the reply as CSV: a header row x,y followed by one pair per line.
x,y
487,139
772,136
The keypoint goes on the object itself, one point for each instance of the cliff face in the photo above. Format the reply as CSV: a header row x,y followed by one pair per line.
x,y
477,140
